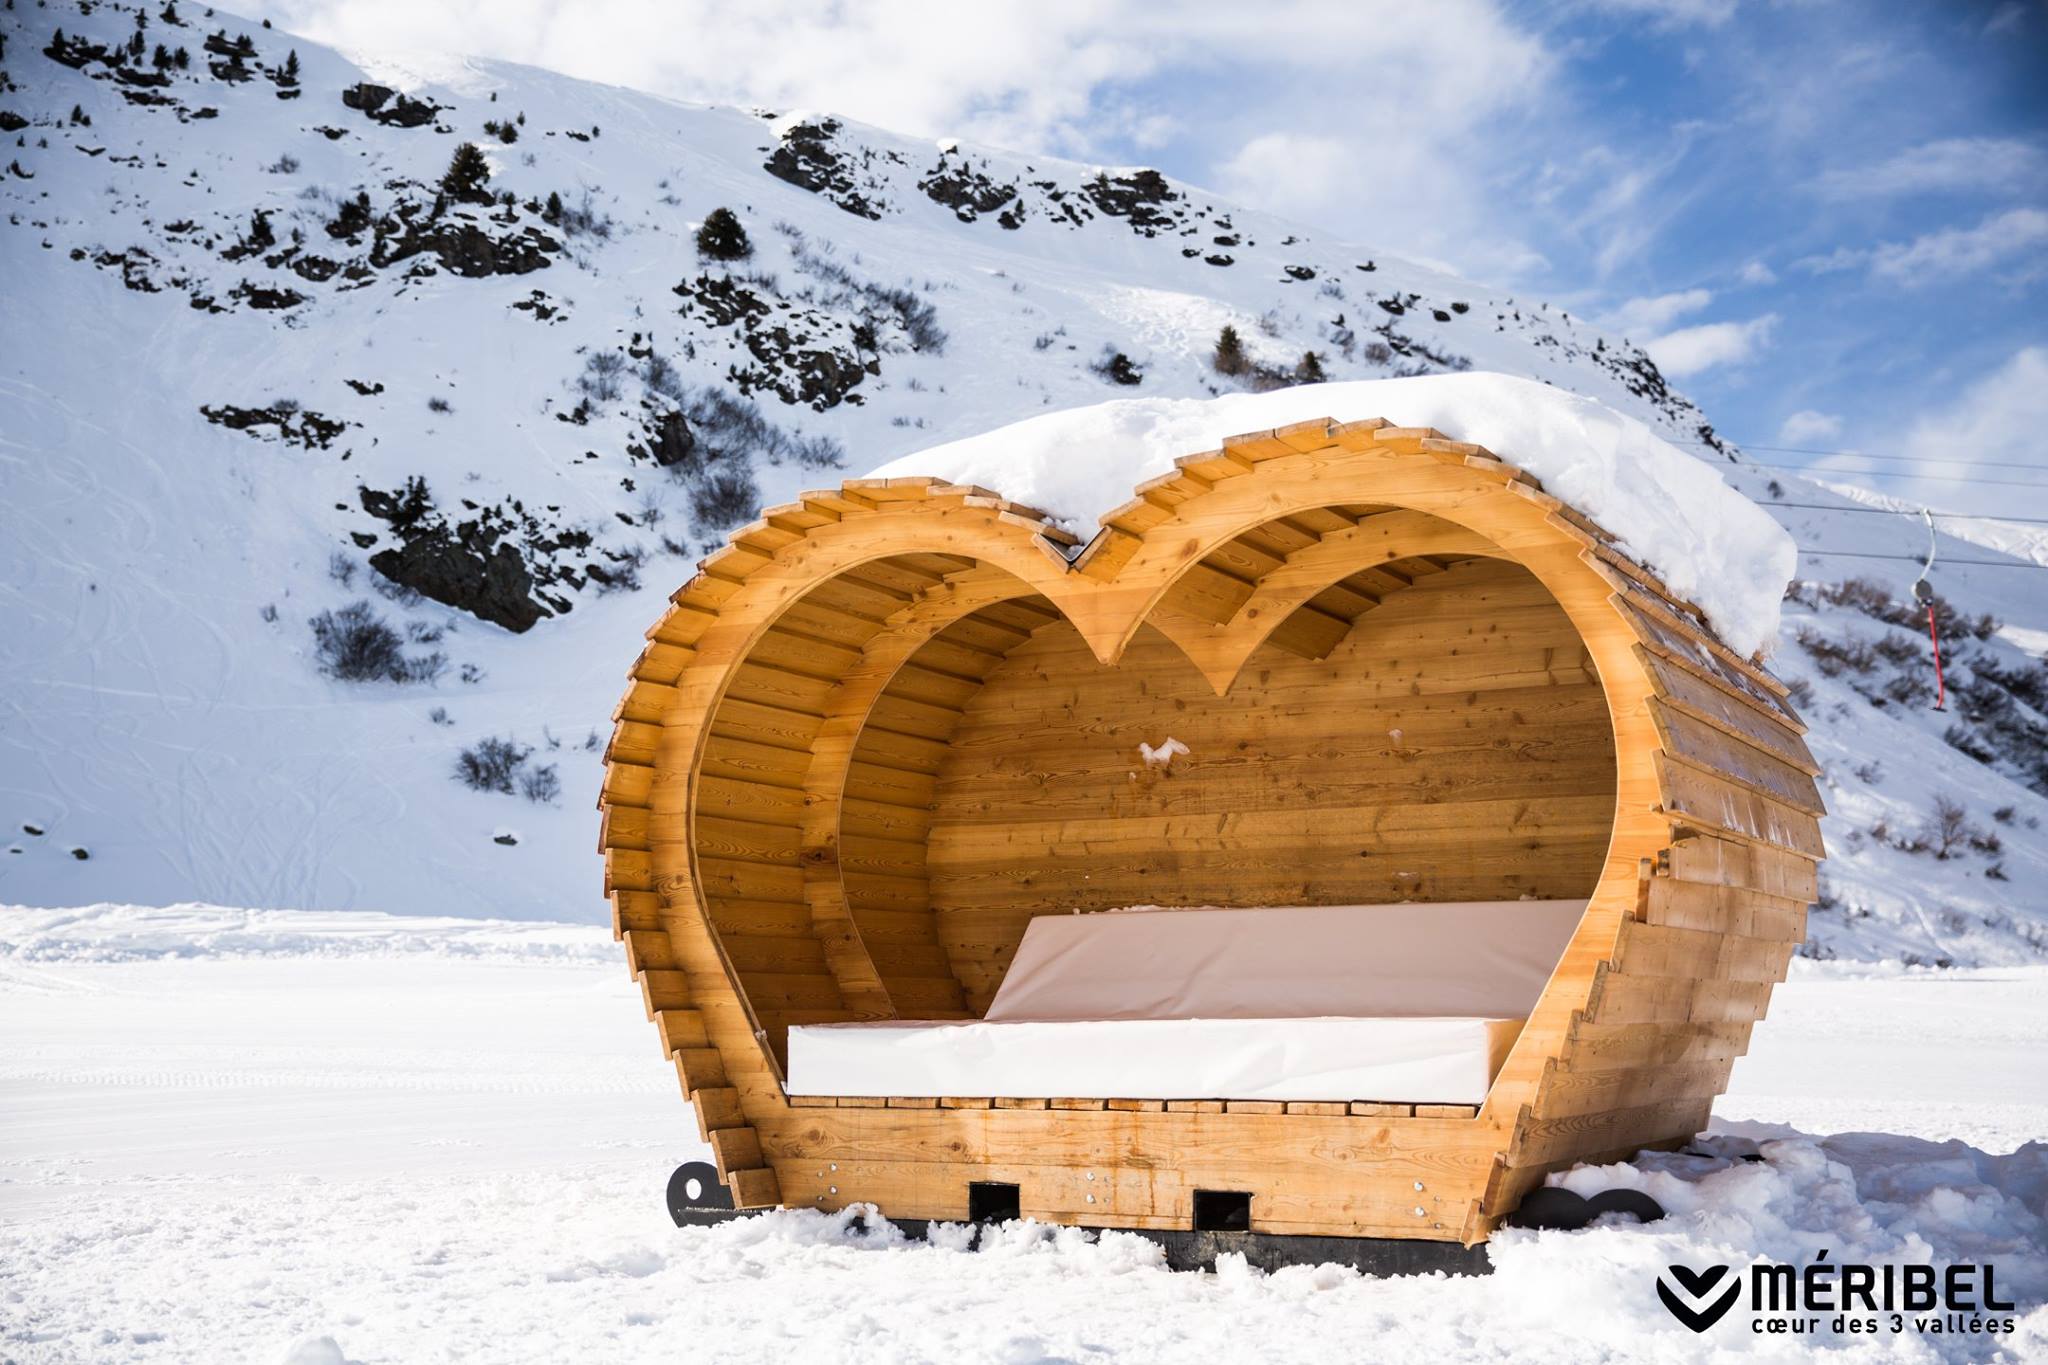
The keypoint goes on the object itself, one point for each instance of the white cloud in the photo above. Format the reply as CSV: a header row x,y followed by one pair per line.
x,y
1415,168
1649,316
1999,417
1950,252
1808,428
1756,272
1963,251
1997,164
1691,350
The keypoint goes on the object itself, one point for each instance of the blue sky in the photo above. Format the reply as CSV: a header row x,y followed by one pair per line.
x,y
1827,219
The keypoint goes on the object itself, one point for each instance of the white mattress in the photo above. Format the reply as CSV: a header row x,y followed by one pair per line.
x,y
1425,1060
1415,1003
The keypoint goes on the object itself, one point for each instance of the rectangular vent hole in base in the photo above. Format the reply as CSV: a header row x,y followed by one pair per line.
x,y
990,1201
1223,1211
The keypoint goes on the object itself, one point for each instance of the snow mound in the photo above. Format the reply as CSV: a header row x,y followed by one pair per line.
x,y
130,933
1794,1199
1675,513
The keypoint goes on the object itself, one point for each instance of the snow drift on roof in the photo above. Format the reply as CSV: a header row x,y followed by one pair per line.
x,y
1671,511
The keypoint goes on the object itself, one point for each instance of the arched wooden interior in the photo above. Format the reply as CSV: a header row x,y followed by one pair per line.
x,y
892,723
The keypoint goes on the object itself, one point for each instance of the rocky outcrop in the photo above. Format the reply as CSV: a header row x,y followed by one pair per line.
x,y
388,107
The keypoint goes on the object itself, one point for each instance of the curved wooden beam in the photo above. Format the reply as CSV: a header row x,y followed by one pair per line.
x,y
1219,649
903,633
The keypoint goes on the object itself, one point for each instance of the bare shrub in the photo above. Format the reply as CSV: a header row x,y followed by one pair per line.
x,y
725,498
354,644
1949,827
622,574
540,784
582,219
660,376
492,764
1836,657
601,376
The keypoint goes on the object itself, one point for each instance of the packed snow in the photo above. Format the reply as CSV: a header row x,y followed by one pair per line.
x,y
338,1140
1673,511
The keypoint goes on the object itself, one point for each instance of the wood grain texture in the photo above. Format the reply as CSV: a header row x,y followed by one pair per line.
x,y
889,723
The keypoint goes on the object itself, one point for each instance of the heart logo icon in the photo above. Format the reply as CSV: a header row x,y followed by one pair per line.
x,y
1694,1301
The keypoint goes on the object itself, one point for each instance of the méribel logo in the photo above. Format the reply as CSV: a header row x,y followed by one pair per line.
x,y
1693,1296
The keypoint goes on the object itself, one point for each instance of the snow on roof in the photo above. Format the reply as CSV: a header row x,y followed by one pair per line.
x,y
1671,511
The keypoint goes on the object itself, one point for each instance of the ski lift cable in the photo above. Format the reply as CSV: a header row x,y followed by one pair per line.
x,y
1870,455
1894,511
1916,559
1889,474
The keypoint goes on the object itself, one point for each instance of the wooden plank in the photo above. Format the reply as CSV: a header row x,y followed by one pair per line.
x,y
1723,862
735,1149
1686,689
755,1189
1736,759
1700,796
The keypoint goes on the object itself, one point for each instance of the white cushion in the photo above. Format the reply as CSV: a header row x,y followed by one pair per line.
x,y
1412,1003
1471,958
1437,1061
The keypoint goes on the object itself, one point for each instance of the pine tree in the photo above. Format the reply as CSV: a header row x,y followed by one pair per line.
x,y
291,68
468,172
1309,370
722,237
553,212
1230,356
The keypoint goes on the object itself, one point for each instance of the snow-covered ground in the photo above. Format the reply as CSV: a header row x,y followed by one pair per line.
x,y
233,1135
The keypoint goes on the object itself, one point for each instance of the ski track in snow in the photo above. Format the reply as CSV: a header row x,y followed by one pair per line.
x,y
236,1135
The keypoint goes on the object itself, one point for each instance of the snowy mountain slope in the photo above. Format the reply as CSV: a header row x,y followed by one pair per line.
x,y
257,364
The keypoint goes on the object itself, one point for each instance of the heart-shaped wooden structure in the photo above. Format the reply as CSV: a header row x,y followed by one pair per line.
x,y
888,724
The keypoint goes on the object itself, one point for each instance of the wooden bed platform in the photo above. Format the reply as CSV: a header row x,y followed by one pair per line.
x,y
890,723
